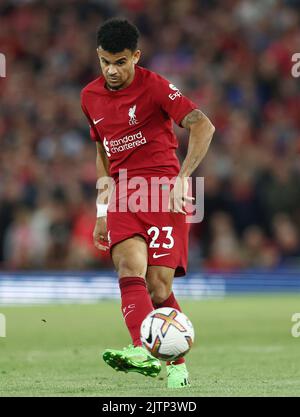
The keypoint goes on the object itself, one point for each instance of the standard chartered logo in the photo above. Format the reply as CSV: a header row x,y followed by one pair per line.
x,y
125,143
2,325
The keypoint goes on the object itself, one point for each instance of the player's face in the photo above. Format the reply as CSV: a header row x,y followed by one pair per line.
x,y
118,69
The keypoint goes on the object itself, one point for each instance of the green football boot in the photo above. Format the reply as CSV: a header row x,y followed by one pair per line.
x,y
133,359
178,376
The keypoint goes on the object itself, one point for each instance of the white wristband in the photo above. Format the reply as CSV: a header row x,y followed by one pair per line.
x,y
101,210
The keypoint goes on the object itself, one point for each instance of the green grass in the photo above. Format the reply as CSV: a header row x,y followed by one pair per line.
x,y
243,347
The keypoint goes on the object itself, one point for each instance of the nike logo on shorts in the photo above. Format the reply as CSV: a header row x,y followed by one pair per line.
x,y
97,121
155,255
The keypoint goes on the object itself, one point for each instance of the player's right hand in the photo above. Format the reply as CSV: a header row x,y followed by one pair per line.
x,y
100,234
179,196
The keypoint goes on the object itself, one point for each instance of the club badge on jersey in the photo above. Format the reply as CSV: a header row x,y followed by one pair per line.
x,y
132,116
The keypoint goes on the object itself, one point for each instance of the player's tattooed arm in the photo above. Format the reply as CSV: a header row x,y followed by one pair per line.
x,y
191,118
201,133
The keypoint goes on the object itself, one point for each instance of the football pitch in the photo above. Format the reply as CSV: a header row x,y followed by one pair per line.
x,y
243,347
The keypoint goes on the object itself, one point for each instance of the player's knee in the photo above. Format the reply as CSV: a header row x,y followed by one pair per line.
x,y
132,267
160,296
159,291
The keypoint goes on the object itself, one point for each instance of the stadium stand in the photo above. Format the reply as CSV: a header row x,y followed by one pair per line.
x,y
232,57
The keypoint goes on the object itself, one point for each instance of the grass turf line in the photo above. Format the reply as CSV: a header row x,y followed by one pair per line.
x,y
243,347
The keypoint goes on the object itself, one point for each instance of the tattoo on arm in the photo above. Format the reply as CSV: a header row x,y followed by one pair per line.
x,y
193,117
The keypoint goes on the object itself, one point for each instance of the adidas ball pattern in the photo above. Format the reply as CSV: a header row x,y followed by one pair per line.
x,y
167,333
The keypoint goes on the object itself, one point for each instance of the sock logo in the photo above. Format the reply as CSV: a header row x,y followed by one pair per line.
x,y
131,307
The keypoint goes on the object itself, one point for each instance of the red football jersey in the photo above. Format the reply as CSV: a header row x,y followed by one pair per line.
x,y
135,123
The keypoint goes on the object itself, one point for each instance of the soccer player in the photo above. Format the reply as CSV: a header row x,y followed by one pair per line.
x,y
130,111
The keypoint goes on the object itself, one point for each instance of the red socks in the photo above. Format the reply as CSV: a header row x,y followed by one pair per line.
x,y
136,305
171,302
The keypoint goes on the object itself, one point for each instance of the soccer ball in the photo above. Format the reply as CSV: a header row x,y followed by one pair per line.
x,y
167,333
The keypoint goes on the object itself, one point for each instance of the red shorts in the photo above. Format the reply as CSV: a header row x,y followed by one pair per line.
x,y
165,233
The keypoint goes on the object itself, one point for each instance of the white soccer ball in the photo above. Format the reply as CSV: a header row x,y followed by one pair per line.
x,y
167,333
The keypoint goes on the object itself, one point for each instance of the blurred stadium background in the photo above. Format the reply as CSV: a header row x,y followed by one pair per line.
x,y
232,57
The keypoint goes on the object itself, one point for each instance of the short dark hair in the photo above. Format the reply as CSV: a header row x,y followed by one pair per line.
x,y
115,35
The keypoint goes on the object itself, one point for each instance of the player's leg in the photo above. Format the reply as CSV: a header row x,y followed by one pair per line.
x,y
130,260
159,281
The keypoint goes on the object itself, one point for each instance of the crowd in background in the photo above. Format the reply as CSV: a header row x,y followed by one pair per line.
x,y
232,57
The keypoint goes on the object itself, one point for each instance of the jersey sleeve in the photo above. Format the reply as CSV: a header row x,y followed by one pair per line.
x,y
93,133
171,100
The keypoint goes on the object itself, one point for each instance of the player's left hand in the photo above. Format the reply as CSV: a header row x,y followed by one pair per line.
x,y
179,195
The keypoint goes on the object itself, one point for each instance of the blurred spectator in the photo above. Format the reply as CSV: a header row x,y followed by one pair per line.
x,y
225,252
287,239
59,236
17,244
259,252
232,57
